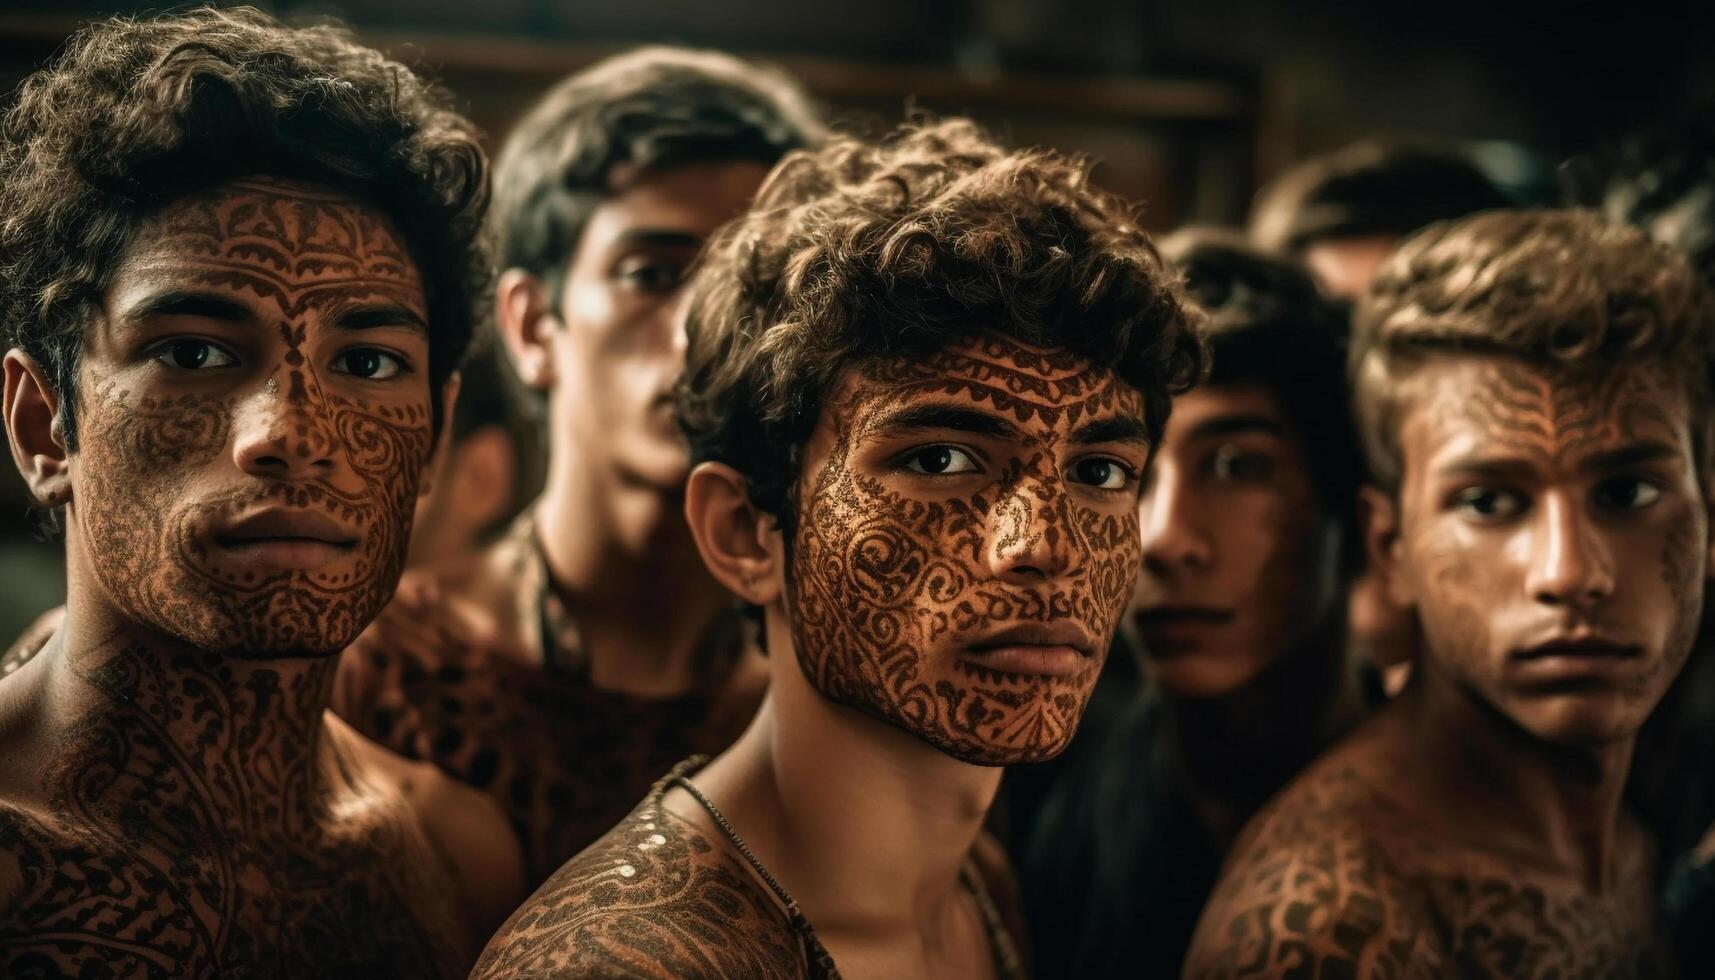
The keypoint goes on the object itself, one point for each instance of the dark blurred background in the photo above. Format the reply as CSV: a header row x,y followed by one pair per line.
x,y
1189,105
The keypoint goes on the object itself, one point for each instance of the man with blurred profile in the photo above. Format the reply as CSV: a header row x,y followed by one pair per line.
x,y
569,665
1534,394
238,270
1238,623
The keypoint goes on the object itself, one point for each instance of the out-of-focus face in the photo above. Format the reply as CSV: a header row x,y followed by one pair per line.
x,y
1240,561
1553,537
254,419
620,349
1345,267
966,543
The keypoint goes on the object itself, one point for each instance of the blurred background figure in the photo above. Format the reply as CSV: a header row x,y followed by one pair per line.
x,y
1342,213
489,467
569,664
1238,625
32,569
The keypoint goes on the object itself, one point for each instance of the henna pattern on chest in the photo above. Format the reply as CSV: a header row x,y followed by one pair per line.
x,y
879,579
201,825
1332,881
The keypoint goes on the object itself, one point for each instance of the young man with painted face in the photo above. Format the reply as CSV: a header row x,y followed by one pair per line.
x,y
923,380
1533,390
239,262
1238,623
567,667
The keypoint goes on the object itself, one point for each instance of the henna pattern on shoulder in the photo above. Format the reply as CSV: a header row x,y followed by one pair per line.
x,y
655,897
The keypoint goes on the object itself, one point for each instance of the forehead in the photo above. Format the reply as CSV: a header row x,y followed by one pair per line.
x,y
1198,410
1031,386
275,240
694,198
1506,408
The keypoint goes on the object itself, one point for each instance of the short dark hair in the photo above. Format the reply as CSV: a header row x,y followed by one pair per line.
x,y
866,250
1662,181
138,113
649,108
1268,325
1368,188
1558,288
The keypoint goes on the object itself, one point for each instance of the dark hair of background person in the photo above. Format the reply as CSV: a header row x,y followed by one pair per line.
x,y
137,113
1559,288
1117,866
1269,325
1662,181
1368,188
656,107
864,250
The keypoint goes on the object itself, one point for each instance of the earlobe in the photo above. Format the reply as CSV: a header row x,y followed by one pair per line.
x,y
731,534
34,430
525,320
1378,513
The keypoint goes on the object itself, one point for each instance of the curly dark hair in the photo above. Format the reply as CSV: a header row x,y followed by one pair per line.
x,y
1268,325
653,107
1559,288
866,250
137,113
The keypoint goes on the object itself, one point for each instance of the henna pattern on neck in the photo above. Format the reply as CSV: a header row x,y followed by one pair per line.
x,y
880,579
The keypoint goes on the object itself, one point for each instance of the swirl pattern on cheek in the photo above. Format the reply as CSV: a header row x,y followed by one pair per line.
x,y
300,256
888,588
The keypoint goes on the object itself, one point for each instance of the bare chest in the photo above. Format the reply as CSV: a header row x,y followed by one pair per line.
x,y
114,900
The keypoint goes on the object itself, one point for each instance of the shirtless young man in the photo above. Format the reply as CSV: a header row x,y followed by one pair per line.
x,y
923,379
235,328
1533,393
569,665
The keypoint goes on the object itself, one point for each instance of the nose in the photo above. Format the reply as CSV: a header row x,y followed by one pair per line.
x,y
1031,526
1173,537
1569,563
285,432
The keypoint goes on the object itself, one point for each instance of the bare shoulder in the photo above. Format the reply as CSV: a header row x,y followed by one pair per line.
x,y
1314,888
465,827
655,897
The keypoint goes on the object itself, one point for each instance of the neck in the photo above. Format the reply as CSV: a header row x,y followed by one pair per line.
x,y
1235,751
623,561
214,744
865,825
1550,803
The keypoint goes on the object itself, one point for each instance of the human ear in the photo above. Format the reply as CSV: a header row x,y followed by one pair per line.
x,y
449,401
526,319
34,430
1379,513
738,542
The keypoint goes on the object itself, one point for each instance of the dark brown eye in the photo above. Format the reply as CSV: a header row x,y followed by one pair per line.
x,y
367,362
193,355
1626,493
940,461
1101,473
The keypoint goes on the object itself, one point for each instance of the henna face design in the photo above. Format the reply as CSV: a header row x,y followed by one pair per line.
x,y
1553,539
973,517
255,419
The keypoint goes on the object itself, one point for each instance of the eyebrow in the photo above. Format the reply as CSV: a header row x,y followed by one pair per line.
x,y
1648,451
659,237
1229,425
371,316
1120,428
954,417
178,302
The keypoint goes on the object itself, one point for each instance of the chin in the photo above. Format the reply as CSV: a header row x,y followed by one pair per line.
x,y
1580,720
662,468
1200,675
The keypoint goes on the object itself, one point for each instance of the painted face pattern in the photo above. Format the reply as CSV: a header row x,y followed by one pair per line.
x,y
1538,507
893,578
154,482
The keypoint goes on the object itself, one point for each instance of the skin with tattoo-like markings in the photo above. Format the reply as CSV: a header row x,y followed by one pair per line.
x,y
1551,532
175,800
947,500
886,584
